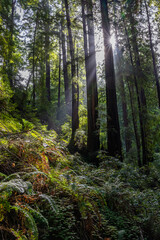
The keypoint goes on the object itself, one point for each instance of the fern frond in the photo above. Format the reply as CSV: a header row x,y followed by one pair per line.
x,y
18,235
30,221
50,201
11,176
37,215
17,185
27,175
3,175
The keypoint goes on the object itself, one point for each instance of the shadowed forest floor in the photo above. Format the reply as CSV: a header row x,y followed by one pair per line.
x,y
47,193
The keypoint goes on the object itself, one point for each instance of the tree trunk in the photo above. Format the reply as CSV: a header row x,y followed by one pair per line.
x,y
65,71
11,45
113,128
120,80
59,84
33,62
47,46
93,143
153,54
77,70
125,115
142,106
134,120
75,118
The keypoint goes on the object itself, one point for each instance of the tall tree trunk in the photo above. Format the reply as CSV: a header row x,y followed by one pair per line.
x,y
153,55
33,62
11,45
131,90
125,115
59,84
47,46
140,91
93,143
113,128
65,71
137,95
75,117
120,77
134,120
77,70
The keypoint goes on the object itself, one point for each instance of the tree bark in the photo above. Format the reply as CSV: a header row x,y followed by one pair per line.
x,y
11,45
65,71
47,46
93,142
134,120
59,84
113,128
120,77
33,62
75,117
142,106
153,55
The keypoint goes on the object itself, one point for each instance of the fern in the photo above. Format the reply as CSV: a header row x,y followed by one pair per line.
x,y
11,176
37,215
17,185
50,201
18,235
27,175
30,221
2,175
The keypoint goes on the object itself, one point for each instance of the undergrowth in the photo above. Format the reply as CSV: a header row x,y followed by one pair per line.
x,y
46,193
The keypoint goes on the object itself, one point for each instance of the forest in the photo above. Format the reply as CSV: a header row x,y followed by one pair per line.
x,y
79,120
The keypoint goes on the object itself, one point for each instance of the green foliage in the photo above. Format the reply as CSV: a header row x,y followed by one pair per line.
x,y
55,195
66,130
50,201
33,231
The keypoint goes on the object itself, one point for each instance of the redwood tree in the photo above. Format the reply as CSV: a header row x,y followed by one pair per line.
x,y
113,128
93,142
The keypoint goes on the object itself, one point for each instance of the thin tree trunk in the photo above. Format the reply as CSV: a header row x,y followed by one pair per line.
x,y
47,46
138,98
122,88
59,83
77,69
65,71
113,128
140,93
11,42
125,115
33,62
153,55
133,111
75,117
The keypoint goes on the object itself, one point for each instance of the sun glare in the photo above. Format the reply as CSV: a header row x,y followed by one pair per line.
x,y
113,41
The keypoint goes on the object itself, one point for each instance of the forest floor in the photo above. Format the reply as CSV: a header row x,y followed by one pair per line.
x,y
47,193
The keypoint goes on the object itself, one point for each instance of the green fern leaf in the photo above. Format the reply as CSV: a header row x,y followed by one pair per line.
x,y
17,185
3,175
18,235
50,201
37,215
30,221
11,176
